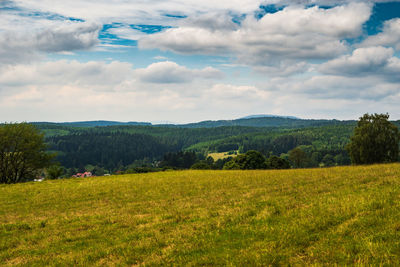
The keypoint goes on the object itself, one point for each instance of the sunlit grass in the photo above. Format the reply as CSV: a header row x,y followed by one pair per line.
x,y
344,215
221,155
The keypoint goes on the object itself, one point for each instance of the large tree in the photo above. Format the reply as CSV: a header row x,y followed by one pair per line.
x,y
375,140
252,160
22,153
298,157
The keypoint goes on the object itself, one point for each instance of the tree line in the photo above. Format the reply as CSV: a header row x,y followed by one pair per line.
x,y
25,153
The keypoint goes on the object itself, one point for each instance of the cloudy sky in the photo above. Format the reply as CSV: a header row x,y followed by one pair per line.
x,y
191,60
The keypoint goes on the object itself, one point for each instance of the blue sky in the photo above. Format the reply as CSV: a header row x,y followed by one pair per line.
x,y
185,61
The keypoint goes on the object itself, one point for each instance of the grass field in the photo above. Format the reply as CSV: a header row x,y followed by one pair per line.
x,y
344,215
221,155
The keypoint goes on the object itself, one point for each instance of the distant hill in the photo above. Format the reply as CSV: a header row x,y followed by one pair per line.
x,y
262,121
249,121
93,123
268,116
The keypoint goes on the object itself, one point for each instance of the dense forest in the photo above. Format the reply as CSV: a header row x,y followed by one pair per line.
x,y
116,147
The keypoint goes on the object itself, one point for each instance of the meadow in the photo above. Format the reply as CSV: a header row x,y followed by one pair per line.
x,y
341,215
222,155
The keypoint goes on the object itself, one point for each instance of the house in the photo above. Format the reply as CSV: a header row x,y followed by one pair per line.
x,y
83,175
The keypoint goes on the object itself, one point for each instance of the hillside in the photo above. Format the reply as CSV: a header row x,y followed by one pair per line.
x,y
287,122
249,121
343,216
117,147
92,123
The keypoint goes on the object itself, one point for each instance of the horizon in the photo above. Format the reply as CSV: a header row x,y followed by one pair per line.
x,y
155,123
184,61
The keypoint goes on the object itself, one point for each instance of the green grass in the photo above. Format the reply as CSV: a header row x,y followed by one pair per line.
x,y
344,215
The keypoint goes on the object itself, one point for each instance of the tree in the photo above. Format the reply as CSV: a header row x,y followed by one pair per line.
x,y
22,153
375,140
328,160
252,160
298,157
55,171
232,165
275,162
201,165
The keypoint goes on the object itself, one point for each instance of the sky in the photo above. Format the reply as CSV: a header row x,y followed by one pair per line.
x,y
189,60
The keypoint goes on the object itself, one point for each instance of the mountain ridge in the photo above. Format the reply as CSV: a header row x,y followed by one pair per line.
x,y
248,121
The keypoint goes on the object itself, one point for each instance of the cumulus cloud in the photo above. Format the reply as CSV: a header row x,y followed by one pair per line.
x,y
25,46
75,36
243,93
322,87
292,33
137,11
284,68
97,75
117,91
170,72
294,40
365,62
97,90
390,35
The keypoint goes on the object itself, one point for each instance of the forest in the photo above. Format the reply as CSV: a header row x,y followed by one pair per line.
x,y
111,147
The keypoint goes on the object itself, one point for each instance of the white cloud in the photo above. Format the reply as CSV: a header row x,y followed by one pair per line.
x,y
342,88
279,45
61,37
137,11
239,93
70,90
390,36
97,75
322,2
284,68
170,72
365,61
294,33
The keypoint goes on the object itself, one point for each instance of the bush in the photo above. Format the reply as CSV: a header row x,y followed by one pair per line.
x,y
54,172
275,162
201,165
252,160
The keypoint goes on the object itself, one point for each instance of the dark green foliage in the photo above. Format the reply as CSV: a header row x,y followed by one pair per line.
x,y
227,147
232,165
319,140
156,141
141,170
98,171
252,160
375,140
110,150
22,153
298,157
328,160
54,172
275,162
201,165
71,171
180,160
220,163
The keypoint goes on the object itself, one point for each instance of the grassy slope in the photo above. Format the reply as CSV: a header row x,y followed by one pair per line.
x,y
220,155
337,215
